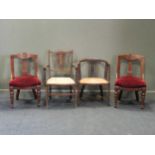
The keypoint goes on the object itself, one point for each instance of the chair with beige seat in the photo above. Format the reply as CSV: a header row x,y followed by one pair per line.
x,y
94,72
59,74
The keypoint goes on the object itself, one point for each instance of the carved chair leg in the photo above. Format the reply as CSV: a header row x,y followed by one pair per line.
x,y
101,91
12,97
17,94
137,96
82,89
70,88
116,96
34,93
120,95
38,95
47,95
143,94
50,91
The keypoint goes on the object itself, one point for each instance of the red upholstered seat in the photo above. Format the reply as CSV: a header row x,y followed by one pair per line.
x,y
25,81
130,82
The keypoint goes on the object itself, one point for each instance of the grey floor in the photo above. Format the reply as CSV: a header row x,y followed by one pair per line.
x,y
91,117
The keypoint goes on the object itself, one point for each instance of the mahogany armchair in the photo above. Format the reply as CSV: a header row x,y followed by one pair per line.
x,y
94,72
130,82
25,79
59,74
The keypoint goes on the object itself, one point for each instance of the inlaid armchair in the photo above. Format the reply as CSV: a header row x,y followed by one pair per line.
x,y
59,74
24,75
94,72
129,81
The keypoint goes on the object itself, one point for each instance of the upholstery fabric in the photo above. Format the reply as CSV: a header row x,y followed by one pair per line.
x,y
60,81
130,82
25,81
93,80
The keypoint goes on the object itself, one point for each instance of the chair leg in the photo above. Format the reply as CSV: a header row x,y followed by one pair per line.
x,y
50,91
137,96
70,88
47,95
75,94
143,94
34,93
120,95
116,96
17,94
101,91
12,97
38,95
82,89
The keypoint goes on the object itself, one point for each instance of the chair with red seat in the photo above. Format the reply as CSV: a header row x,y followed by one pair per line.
x,y
25,80
130,82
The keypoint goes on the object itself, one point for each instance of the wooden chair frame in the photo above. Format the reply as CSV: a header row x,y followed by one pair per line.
x,y
106,76
130,58
24,57
48,69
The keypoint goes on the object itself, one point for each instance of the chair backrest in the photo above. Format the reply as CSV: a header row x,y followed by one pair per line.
x,y
130,59
60,63
93,68
25,60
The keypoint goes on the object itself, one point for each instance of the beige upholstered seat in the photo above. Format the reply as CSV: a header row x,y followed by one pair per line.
x,y
93,80
60,81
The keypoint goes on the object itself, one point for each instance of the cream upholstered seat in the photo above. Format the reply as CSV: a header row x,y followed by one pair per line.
x,y
60,72
60,81
93,80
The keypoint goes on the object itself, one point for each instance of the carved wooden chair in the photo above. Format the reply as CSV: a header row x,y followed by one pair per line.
x,y
25,78
94,72
59,74
130,82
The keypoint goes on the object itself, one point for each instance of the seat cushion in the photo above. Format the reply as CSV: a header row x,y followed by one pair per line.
x,y
130,82
25,81
93,80
60,81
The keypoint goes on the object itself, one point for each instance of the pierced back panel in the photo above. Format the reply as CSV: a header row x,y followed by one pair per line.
x,y
130,64
93,68
60,63
23,64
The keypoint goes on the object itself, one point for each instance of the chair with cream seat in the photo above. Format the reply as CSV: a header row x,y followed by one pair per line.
x,y
59,74
93,72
